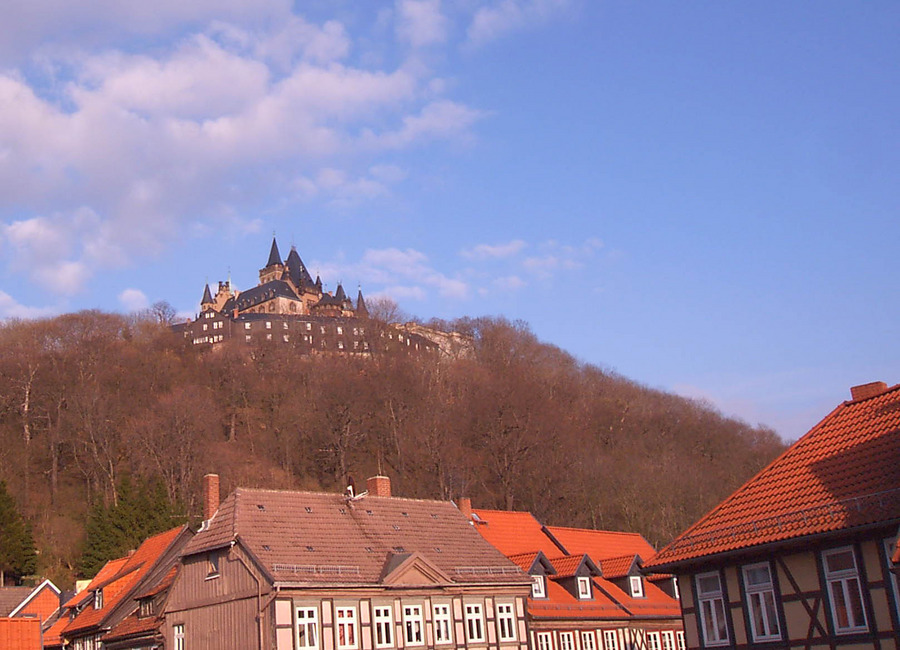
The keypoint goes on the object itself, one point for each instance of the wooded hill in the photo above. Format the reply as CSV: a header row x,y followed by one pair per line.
x,y
91,398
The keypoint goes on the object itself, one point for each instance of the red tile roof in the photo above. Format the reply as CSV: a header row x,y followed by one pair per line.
x,y
617,567
315,538
566,565
122,577
514,532
524,560
52,635
844,473
20,634
602,544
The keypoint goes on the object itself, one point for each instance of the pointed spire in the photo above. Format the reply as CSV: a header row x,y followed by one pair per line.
x,y
207,296
318,283
339,294
361,310
274,255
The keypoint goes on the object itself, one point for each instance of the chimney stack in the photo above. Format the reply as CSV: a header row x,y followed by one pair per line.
x,y
867,390
465,507
379,486
210,496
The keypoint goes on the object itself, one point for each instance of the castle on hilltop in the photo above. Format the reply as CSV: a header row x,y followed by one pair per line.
x,y
289,307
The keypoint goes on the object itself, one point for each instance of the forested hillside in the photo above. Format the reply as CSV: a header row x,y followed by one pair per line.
x,y
91,400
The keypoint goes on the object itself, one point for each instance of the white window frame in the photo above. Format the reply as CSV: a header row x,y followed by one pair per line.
x,y
668,640
610,640
761,604
307,619
474,622
178,642
538,587
637,586
383,626
346,628
654,641
506,622
566,641
413,625
443,624
711,606
584,588
842,584
679,639
98,599
588,640
544,640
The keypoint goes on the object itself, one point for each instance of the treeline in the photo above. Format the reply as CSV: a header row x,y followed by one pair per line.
x,y
89,400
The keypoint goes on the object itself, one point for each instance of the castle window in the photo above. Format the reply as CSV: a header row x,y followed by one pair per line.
x,y
285,324
308,326
321,330
340,330
247,337
246,326
205,327
293,306
340,345
355,331
268,324
268,337
286,338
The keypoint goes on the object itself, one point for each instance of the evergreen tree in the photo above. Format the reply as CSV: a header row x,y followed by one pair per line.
x,y
18,556
141,510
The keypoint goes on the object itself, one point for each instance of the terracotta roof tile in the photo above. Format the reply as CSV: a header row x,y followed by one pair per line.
x,y
602,544
130,571
844,473
311,537
52,636
566,565
524,560
617,567
514,532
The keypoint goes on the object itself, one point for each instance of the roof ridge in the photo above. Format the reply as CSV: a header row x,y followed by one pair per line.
x,y
596,530
890,389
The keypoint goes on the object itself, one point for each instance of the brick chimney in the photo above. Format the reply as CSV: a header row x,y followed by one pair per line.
x,y
379,486
465,507
210,496
867,390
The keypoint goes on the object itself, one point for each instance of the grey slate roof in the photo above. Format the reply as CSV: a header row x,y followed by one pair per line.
x,y
12,597
319,538
274,255
263,292
361,309
297,270
207,296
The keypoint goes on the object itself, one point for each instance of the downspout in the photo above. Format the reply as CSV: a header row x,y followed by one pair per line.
x,y
259,629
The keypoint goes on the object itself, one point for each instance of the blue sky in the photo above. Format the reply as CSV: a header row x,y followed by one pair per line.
x,y
701,196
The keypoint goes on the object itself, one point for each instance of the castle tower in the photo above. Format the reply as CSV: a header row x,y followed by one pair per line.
x,y
207,301
274,267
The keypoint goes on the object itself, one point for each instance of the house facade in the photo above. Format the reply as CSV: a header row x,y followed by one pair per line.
x,y
281,570
802,555
589,591
25,613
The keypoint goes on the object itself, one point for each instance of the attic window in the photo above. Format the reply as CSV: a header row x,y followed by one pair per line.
x,y
308,509
146,608
310,548
405,514
399,549
343,511
369,512
266,547
369,549
637,586
395,527
98,599
260,506
434,516
584,588
437,549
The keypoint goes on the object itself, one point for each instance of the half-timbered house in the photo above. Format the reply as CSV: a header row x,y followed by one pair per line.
x,y
801,555
286,570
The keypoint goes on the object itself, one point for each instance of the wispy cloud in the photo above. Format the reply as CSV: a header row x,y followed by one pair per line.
x,y
501,17
133,300
494,251
10,308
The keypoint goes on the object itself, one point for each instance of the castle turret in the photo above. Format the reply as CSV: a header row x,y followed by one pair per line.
x,y
274,267
361,310
207,301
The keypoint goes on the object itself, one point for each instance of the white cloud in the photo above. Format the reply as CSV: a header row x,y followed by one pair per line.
x,y
496,251
10,308
421,22
133,300
139,142
510,283
504,16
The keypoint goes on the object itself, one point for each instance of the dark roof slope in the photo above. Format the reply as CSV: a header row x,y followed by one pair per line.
x,y
12,597
274,255
843,474
297,270
207,296
263,292
309,537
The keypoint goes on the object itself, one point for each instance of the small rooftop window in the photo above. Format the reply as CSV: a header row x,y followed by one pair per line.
x,y
399,549
308,509
310,548
260,506
395,527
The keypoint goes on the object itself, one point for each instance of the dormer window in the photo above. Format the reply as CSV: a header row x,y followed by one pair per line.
x,y
146,608
675,587
584,587
98,599
637,586
212,565
538,589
